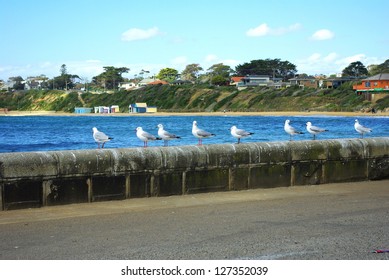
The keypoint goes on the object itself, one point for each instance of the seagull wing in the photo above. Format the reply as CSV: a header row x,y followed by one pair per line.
x,y
317,129
166,134
100,136
203,133
242,132
362,128
148,136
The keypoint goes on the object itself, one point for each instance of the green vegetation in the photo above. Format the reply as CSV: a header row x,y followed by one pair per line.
x,y
197,98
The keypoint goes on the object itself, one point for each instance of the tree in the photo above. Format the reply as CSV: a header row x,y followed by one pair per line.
x,y
111,77
63,70
380,68
271,67
167,74
191,72
18,82
355,69
219,74
64,80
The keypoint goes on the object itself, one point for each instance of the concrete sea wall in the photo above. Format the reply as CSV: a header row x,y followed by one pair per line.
x,y
35,179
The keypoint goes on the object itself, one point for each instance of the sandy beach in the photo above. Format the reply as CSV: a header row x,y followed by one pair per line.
x,y
272,113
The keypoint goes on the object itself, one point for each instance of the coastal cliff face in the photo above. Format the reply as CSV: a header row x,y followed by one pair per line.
x,y
198,98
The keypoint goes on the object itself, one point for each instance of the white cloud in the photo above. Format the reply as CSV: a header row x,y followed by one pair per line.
x,y
331,63
264,30
322,34
318,64
179,60
350,59
211,58
135,34
258,31
330,57
87,68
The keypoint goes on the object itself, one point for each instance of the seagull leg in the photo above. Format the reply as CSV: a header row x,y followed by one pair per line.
x,y
102,146
238,140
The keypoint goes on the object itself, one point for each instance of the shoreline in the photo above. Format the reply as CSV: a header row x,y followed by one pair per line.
x,y
272,113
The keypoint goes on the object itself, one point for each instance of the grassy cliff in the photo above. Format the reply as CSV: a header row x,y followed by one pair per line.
x,y
191,98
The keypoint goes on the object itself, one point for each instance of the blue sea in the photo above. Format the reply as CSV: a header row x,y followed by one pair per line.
x,y
47,133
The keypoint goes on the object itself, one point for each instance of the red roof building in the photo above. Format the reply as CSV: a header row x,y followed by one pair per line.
x,y
377,83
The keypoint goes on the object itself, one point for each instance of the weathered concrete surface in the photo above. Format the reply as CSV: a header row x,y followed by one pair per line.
x,y
60,177
329,221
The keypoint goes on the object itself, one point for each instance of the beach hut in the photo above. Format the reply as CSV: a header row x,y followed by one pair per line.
x,y
102,110
151,109
82,110
138,108
114,109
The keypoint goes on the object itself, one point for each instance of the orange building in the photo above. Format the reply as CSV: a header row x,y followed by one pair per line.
x,y
378,83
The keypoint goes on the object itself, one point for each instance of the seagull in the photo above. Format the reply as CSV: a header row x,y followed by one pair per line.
x,y
361,129
199,133
100,137
239,133
145,136
314,129
291,130
166,136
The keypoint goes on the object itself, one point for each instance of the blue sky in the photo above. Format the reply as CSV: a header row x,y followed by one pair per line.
x,y
319,37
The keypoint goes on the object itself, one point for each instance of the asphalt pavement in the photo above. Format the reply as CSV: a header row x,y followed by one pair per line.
x,y
345,221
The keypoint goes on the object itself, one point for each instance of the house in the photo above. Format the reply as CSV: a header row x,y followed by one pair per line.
x,y
374,88
309,82
32,85
235,80
8,85
336,82
254,81
158,82
145,82
141,108
181,82
127,86
376,83
82,110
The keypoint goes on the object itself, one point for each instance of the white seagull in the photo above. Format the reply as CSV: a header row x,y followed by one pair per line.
x,y
100,137
166,136
361,129
291,130
314,129
145,136
239,133
199,133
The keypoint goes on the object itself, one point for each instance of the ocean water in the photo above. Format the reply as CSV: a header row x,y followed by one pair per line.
x,y
47,133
